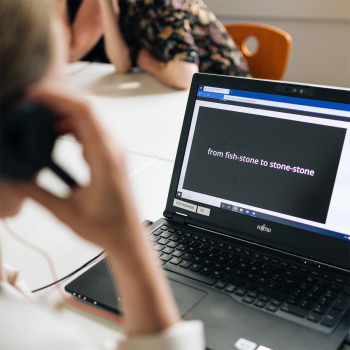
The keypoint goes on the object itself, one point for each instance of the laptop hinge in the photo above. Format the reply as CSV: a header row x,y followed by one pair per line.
x,y
179,218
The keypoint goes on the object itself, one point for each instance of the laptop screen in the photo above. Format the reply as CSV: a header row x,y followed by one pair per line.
x,y
280,158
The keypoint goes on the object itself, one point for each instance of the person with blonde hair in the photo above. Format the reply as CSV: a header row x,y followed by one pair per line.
x,y
29,69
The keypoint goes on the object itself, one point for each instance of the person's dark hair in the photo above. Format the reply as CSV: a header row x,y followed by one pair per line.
x,y
26,43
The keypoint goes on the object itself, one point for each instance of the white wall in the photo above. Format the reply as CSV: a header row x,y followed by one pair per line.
x,y
321,39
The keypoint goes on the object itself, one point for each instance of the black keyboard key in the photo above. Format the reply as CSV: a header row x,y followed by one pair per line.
x,y
177,253
228,278
175,261
220,285
318,290
196,267
248,300
331,295
342,303
253,295
217,274
320,309
185,264
206,271
307,305
328,277
157,232
294,301
163,241
312,297
272,308
323,283
240,282
159,247
191,274
295,310
201,253
211,256
336,287
251,286
315,273
172,244
164,227
332,318
168,250
208,263
174,237
241,292
165,257
272,293
191,250
341,280
181,247
187,257
230,288
311,280
325,301
165,234
193,244
264,299
259,303
276,302
315,317
218,267
172,230
197,260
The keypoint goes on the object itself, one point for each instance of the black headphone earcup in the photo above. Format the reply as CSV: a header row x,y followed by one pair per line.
x,y
27,137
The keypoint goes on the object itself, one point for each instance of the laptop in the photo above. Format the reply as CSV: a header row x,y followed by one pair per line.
x,y
255,235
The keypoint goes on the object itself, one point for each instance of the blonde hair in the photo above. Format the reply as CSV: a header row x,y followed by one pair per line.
x,y
26,44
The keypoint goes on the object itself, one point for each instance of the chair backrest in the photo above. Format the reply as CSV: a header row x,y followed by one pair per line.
x,y
271,57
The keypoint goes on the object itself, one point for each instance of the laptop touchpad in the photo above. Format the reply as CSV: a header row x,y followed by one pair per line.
x,y
186,297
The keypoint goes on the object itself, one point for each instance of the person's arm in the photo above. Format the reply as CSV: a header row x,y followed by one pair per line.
x,y
175,73
116,48
86,30
104,213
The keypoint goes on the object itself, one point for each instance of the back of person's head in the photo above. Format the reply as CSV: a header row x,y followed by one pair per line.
x,y
26,43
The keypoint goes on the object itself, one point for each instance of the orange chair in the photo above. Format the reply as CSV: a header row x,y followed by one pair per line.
x,y
271,58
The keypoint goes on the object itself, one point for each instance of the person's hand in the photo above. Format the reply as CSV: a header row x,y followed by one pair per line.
x,y
102,212
147,62
114,3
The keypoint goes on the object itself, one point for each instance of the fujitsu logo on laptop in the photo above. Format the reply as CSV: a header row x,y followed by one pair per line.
x,y
263,228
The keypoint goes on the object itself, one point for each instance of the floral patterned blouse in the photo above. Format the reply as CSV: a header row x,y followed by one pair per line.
x,y
180,30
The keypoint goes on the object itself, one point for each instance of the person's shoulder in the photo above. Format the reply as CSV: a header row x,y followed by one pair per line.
x,y
27,324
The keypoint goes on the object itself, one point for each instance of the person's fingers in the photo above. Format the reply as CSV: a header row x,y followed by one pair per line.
x,y
80,117
60,207
76,109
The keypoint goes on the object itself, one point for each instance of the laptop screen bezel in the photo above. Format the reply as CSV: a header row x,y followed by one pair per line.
x,y
306,244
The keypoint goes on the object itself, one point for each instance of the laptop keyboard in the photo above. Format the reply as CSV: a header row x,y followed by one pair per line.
x,y
261,281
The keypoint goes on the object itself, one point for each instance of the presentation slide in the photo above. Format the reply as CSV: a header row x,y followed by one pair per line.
x,y
277,164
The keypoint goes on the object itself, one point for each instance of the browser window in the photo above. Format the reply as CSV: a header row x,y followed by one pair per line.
x,y
270,156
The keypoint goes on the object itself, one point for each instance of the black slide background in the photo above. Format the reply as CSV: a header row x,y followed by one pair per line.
x,y
309,146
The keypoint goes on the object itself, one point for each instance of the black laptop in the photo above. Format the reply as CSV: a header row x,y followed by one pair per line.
x,y
255,238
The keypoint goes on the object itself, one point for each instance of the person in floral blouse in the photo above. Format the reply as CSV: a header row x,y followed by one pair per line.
x,y
170,39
